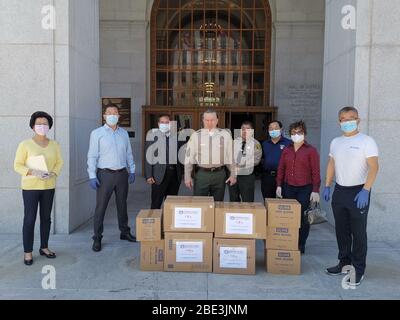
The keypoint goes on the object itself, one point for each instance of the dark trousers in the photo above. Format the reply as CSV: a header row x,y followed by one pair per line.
x,y
210,184
168,187
243,190
268,185
111,182
351,227
32,199
301,194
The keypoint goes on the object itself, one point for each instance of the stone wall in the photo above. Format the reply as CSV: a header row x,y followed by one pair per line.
x,y
56,71
298,63
361,69
124,60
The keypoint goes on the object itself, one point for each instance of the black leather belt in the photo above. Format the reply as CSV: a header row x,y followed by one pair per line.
x,y
216,169
114,171
272,173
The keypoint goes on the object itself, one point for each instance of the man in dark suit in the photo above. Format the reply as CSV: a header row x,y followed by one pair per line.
x,y
162,168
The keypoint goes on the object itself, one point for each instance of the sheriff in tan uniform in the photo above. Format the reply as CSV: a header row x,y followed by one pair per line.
x,y
247,155
208,153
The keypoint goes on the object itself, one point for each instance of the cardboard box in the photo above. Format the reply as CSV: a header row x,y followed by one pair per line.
x,y
234,256
285,213
152,255
283,261
240,220
189,214
148,225
282,238
188,252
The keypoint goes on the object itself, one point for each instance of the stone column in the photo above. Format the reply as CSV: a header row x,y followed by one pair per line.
x,y
53,70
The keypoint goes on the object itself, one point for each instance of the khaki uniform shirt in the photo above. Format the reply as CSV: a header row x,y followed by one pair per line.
x,y
209,149
248,157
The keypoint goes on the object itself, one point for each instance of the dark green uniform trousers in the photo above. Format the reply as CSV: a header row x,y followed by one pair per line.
x,y
243,190
210,184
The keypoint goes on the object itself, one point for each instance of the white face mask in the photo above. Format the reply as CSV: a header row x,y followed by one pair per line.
x,y
41,129
164,127
298,138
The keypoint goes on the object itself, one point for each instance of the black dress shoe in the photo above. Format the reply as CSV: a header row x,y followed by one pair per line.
x,y
128,237
48,256
28,262
96,246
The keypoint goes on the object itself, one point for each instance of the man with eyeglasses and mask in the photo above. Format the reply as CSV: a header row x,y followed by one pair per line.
x,y
353,161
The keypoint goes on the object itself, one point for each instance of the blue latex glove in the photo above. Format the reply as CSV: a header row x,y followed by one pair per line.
x,y
94,183
327,194
131,178
362,199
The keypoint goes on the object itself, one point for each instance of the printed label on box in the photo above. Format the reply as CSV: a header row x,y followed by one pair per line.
x,y
149,221
189,218
189,251
233,257
239,223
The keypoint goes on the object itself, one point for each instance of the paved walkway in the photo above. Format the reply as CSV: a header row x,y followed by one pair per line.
x,y
114,272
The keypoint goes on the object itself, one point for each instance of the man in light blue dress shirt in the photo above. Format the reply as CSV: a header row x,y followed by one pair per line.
x,y
109,159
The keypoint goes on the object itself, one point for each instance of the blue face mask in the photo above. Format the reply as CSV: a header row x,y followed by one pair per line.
x,y
349,126
112,120
164,127
275,133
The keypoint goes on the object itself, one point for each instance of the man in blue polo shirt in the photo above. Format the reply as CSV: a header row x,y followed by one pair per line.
x,y
272,150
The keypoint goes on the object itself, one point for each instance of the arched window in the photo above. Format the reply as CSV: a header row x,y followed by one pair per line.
x,y
210,53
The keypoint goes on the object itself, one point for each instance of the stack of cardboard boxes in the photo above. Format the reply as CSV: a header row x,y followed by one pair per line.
x,y
237,226
148,232
181,236
189,228
282,247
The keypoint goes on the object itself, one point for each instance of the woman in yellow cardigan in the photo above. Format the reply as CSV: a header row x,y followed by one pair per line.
x,y
39,162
